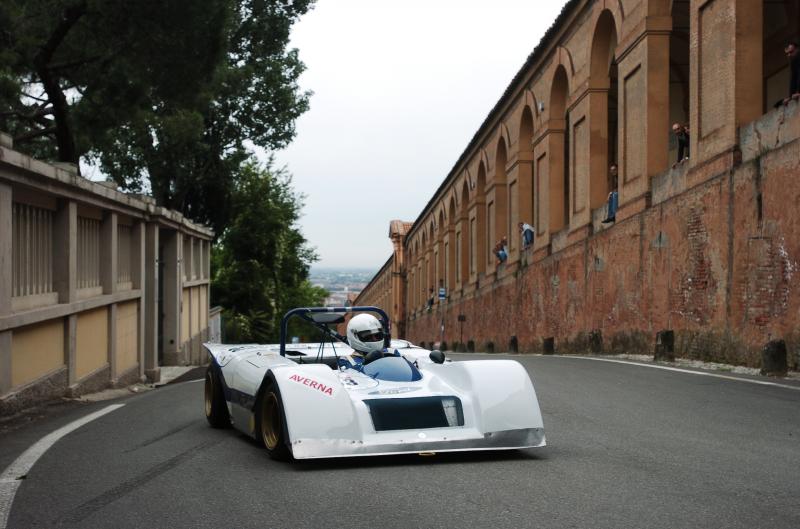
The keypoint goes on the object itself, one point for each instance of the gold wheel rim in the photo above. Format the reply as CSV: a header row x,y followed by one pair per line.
x,y
270,421
209,393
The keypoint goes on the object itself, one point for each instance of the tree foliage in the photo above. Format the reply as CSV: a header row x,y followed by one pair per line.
x,y
164,96
261,261
170,97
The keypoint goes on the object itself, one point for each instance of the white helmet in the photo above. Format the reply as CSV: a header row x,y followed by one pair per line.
x,y
365,333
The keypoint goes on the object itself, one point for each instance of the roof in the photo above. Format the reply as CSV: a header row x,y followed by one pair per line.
x,y
399,227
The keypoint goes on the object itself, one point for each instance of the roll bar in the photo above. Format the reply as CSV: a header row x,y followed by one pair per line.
x,y
305,312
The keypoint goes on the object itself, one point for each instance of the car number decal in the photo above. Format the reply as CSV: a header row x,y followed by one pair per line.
x,y
313,384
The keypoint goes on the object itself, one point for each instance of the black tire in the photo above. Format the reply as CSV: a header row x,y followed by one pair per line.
x,y
271,423
215,406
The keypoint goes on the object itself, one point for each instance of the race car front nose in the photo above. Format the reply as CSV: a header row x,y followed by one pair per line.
x,y
411,442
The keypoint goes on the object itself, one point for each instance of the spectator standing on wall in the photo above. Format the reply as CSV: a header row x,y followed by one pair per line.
x,y
528,233
613,196
430,299
682,134
793,54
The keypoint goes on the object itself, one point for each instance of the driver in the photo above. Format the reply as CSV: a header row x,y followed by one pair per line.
x,y
365,336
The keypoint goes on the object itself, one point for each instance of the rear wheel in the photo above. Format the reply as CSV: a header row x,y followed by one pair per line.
x,y
215,406
271,423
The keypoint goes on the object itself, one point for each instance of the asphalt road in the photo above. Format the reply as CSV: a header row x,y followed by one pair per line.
x,y
628,446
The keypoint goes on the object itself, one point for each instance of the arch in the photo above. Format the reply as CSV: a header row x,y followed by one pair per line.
x,y
497,210
419,265
558,151
477,223
604,44
603,109
500,159
565,60
525,130
522,198
462,239
559,90
480,181
531,102
679,71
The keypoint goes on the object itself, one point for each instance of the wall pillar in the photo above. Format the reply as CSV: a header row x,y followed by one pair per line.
x,y
541,192
450,280
65,276
463,248
644,138
520,180
477,238
725,82
137,278
108,278
6,278
65,251
112,343
555,175
150,302
598,148
498,193
172,246
108,253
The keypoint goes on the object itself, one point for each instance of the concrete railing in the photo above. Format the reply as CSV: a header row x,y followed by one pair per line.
x,y
91,289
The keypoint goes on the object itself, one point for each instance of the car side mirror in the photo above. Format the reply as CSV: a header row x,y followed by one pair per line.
x,y
437,357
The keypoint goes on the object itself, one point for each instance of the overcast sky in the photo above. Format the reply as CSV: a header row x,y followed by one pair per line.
x,y
400,87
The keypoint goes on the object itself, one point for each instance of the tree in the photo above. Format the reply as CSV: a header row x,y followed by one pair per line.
x,y
72,70
165,96
255,100
261,261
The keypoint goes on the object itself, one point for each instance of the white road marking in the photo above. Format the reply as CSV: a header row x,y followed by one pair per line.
x,y
12,476
678,369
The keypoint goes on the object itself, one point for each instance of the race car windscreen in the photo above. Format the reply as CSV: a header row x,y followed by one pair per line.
x,y
392,369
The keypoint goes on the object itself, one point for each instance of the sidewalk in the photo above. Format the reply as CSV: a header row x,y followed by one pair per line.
x,y
169,375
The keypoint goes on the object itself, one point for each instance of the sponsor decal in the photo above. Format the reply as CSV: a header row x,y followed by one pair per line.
x,y
347,381
313,384
393,391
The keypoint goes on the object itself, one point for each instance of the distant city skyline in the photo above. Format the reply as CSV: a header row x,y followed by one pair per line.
x,y
399,89
341,282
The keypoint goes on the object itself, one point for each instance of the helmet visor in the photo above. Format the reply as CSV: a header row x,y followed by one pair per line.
x,y
370,335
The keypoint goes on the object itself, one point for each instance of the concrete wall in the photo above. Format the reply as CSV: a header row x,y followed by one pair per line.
x,y
36,350
79,283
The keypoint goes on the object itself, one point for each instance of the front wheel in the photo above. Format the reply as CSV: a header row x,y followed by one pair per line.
x,y
271,423
216,408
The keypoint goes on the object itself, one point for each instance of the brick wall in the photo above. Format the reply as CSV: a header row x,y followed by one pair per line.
x,y
716,262
703,247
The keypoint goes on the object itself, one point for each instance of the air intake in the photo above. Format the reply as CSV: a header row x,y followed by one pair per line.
x,y
415,413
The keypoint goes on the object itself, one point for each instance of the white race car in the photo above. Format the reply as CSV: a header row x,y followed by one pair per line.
x,y
315,400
